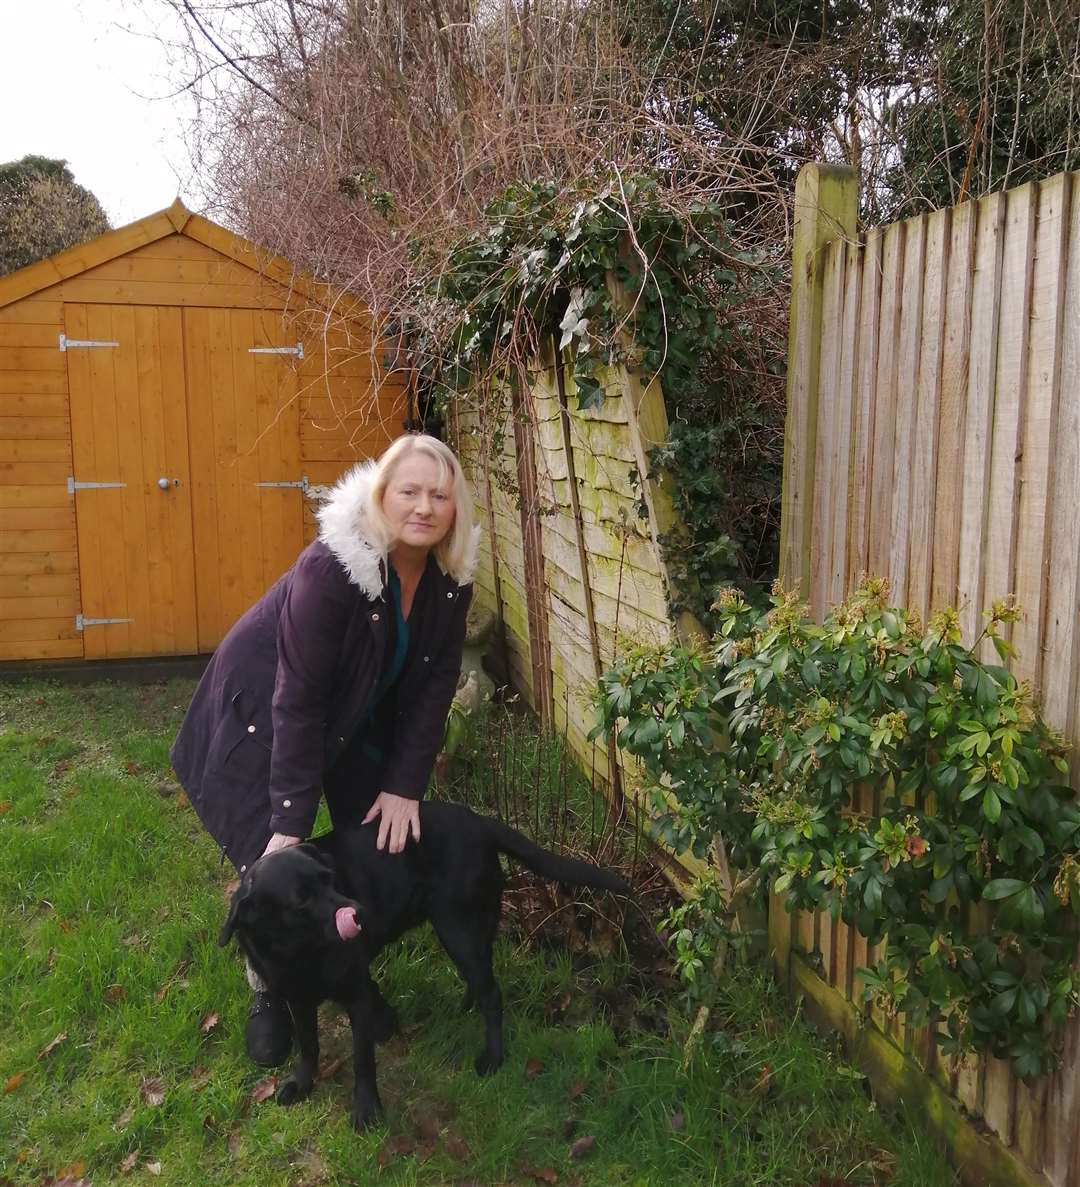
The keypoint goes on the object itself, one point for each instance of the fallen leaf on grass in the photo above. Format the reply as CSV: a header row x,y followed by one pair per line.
x,y
231,887
154,1168
200,1077
72,1173
399,1145
331,1069
312,1165
761,1088
13,1082
582,1147
576,1089
114,994
132,768
51,1046
568,1127
264,1089
544,1175
677,1121
209,1023
152,1090
181,800
457,1149
533,1068
125,1118
128,1165
5,806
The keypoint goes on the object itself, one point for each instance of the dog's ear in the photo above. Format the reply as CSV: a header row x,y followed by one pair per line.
x,y
239,900
323,857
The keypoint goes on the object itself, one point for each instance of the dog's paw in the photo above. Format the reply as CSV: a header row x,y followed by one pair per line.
x,y
366,1115
487,1065
291,1091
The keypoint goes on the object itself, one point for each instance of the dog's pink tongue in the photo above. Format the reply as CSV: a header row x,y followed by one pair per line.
x,y
347,927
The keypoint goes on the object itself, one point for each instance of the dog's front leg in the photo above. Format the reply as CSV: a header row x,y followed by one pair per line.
x,y
367,1108
301,1079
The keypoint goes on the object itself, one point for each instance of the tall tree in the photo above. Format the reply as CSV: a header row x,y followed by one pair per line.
x,y
43,210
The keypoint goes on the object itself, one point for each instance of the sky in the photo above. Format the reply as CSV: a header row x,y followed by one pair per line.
x,y
88,81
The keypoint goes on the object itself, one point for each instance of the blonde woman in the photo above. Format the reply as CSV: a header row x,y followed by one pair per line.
x,y
339,679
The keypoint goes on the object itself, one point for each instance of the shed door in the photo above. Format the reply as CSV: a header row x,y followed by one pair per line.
x,y
244,426
128,427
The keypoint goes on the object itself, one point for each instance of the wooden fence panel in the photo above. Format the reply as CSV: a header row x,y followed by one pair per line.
x,y
946,456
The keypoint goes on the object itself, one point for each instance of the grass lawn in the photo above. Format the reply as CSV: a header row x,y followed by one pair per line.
x,y
121,1056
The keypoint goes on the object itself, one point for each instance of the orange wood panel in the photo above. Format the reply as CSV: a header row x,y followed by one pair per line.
x,y
30,383
244,428
135,550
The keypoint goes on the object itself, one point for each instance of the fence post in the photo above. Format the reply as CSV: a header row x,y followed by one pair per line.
x,y
826,207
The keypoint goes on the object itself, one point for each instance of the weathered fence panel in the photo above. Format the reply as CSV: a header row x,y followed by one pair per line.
x,y
938,444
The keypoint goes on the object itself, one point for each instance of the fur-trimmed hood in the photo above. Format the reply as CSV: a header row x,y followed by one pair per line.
x,y
345,530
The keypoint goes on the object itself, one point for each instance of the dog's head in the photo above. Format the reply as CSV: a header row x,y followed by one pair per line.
x,y
287,901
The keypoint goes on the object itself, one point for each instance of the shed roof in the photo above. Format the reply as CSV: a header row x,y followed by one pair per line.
x,y
175,220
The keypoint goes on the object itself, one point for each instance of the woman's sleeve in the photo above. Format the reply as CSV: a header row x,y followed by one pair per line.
x,y
421,724
310,629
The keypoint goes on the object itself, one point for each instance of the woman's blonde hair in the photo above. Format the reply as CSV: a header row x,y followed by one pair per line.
x,y
453,550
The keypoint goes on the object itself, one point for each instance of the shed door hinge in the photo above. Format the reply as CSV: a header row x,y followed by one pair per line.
x,y
297,350
67,343
73,485
302,484
82,622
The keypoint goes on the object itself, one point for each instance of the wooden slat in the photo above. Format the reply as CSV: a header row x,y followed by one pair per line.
x,y
33,428
38,562
910,344
257,295
177,271
40,606
1060,635
30,383
174,247
34,496
50,518
35,630
34,312
44,649
829,488
885,380
46,337
1040,402
34,473
36,584
954,383
979,412
34,407
34,540
49,450
925,459
863,428
1006,444
31,358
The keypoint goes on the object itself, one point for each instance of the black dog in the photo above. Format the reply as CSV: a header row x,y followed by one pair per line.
x,y
313,917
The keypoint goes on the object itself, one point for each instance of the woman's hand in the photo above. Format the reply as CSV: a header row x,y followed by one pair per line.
x,y
280,841
398,816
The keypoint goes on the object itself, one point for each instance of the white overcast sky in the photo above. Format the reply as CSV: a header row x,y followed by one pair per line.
x,y
87,81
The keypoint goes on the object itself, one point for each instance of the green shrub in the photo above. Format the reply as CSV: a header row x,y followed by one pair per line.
x,y
968,869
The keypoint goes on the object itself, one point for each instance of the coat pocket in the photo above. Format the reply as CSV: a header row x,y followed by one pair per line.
x,y
239,725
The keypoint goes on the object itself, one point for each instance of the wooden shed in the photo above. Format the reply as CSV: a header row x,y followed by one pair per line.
x,y
169,398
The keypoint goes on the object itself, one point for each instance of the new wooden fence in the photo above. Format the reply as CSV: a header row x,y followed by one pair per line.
x,y
934,438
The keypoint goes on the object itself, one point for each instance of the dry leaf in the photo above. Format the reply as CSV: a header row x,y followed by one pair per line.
x,y
232,887
154,1168
125,1118
568,1127
64,926
13,1082
51,1046
677,1121
114,994
533,1068
582,1147
200,1077
5,806
152,1090
761,1088
209,1023
128,1165
264,1089
457,1149
132,768
72,1171
331,1069
428,1128
425,1149
577,1088
546,1175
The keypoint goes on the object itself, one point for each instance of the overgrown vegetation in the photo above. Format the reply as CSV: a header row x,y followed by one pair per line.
x,y
123,1020
966,863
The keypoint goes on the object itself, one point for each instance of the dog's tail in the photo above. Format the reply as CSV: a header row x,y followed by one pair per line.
x,y
567,870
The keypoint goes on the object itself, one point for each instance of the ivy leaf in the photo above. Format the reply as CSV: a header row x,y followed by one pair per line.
x,y
574,323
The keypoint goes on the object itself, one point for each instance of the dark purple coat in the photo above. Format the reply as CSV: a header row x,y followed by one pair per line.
x,y
272,719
